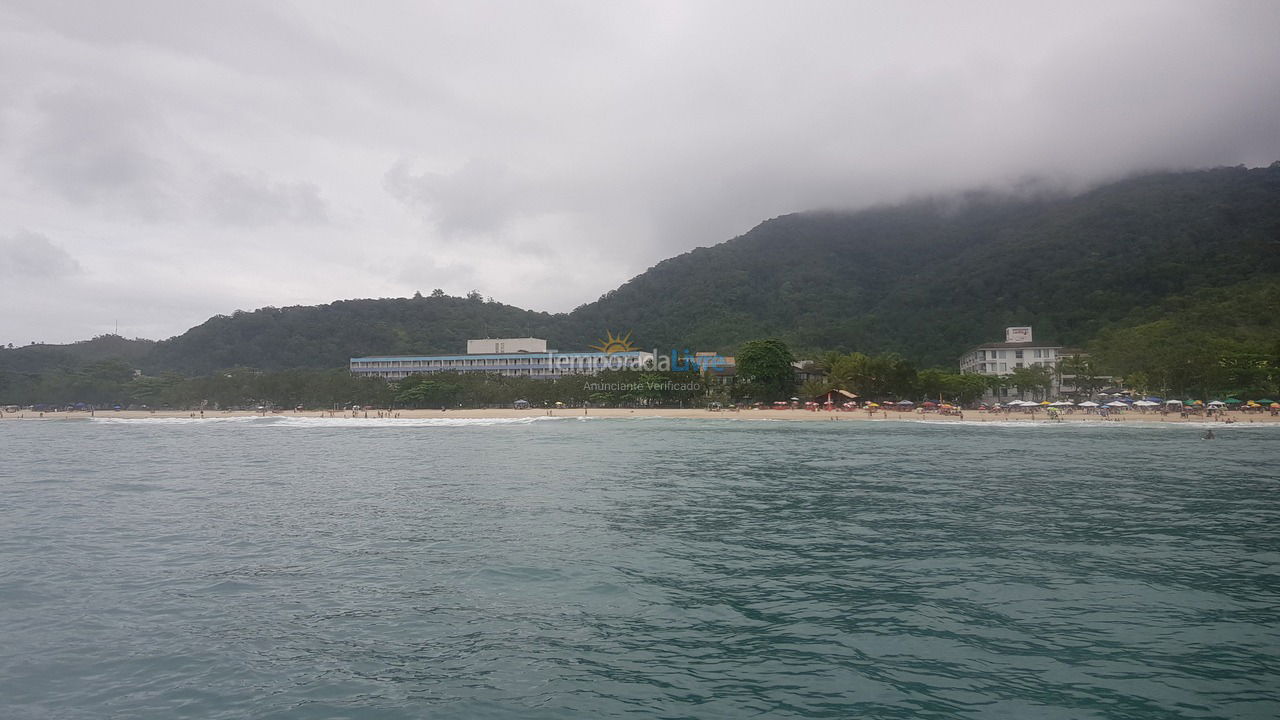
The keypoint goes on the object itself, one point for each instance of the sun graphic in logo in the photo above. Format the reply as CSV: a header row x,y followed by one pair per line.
x,y
611,344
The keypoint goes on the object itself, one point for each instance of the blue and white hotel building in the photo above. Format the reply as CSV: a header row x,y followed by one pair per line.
x,y
543,365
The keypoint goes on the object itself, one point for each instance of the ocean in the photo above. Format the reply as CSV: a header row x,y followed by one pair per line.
x,y
637,568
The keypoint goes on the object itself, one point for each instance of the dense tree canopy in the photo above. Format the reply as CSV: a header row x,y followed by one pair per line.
x,y
765,370
1216,341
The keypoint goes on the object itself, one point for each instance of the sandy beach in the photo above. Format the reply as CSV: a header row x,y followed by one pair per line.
x,y
691,414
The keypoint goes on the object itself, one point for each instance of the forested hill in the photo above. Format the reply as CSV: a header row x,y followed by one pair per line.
x,y
329,335
926,279
35,359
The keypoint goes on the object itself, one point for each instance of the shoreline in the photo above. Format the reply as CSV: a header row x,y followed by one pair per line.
x,y
972,417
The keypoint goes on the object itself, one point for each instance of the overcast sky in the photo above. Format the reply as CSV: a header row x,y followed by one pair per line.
x,y
161,162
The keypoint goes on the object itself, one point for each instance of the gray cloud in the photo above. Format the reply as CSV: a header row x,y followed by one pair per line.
x,y
26,255
481,196
92,148
543,153
242,200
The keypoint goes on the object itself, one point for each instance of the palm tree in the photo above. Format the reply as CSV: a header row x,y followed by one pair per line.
x,y
827,361
815,388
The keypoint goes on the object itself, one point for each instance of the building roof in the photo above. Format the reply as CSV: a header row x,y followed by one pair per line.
x,y
502,356
1013,346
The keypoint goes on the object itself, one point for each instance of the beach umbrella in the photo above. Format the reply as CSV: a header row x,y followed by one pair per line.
x,y
1216,403
1266,401
905,402
873,404
1088,403
1045,402
1233,401
929,403
1172,402
1116,404
1145,403
1275,405
1198,402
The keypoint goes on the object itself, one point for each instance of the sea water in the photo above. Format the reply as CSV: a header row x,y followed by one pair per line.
x,y
571,568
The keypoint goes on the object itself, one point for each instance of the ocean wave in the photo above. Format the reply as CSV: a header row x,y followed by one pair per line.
x,y
279,421
1200,425
169,420
344,422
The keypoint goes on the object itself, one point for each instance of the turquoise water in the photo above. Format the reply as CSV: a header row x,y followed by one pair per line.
x,y
273,568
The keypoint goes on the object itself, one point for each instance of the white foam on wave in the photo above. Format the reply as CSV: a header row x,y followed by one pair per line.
x,y
416,422
1089,424
285,421
239,420
343,422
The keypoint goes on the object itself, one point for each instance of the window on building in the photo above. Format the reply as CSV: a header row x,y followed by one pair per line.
x,y
1018,354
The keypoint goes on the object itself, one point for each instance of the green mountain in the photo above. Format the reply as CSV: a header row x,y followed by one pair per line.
x,y
327,336
926,279
35,359
929,278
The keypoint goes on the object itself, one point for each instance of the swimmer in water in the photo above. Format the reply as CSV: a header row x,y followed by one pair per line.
x,y
1207,435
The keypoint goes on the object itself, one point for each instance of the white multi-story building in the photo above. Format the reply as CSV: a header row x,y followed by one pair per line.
x,y
1018,350
1001,358
515,362
497,346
